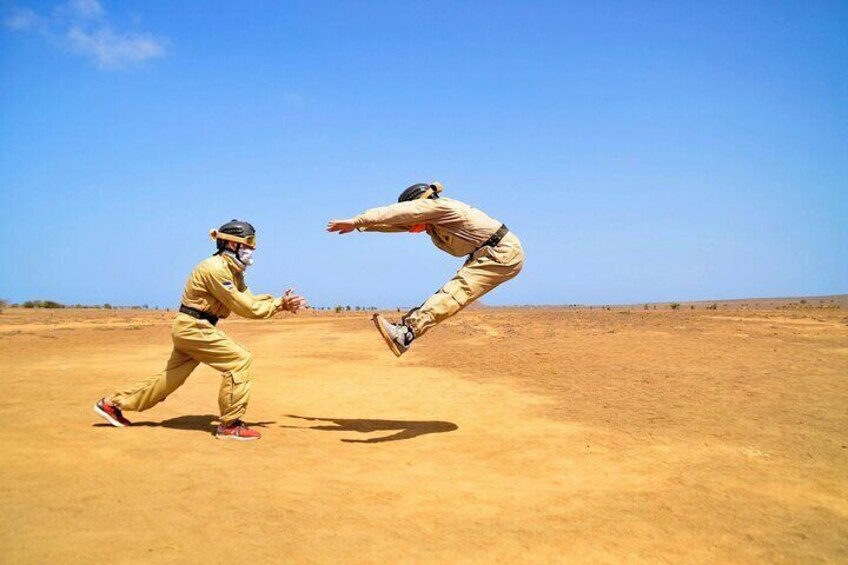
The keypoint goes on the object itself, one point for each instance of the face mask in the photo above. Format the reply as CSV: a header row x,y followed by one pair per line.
x,y
245,255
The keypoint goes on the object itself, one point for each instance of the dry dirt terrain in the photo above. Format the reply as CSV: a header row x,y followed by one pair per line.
x,y
504,436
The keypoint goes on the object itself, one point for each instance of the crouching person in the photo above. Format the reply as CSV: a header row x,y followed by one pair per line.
x,y
215,288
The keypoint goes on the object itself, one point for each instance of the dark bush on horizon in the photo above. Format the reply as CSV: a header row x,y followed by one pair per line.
x,y
42,304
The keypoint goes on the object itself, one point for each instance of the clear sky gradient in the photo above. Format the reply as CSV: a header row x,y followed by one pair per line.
x,y
642,151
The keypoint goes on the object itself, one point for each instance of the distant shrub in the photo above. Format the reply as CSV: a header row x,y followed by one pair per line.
x,y
3,304
674,306
42,304
712,307
646,306
338,309
107,306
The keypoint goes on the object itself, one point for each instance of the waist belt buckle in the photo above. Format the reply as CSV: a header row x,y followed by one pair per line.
x,y
494,240
497,236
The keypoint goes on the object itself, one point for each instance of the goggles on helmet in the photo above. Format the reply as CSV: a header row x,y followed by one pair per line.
x,y
249,240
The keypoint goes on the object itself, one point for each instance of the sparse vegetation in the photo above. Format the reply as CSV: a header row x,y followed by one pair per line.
x,y
3,304
674,306
42,304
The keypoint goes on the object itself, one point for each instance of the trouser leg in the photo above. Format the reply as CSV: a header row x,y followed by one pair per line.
x,y
487,269
150,392
213,347
446,302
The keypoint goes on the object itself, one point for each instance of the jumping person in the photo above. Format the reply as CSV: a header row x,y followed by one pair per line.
x,y
214,289
494,254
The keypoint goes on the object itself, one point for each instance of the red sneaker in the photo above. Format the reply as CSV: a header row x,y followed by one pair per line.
x,y
111,414
237,431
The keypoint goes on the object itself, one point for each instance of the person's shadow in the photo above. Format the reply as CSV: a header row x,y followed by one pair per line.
x,y
205,423
404,429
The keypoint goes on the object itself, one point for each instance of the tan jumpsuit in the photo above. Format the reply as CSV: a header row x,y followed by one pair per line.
x,y
458,229
216,286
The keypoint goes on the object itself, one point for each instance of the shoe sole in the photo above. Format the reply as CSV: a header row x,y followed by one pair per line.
x,y
386,337
105,415
236,438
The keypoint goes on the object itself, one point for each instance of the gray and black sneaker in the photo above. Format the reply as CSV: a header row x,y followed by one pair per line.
x,y
397,336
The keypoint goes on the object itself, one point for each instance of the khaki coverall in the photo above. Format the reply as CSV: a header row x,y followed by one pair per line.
x,y
458,229
216,286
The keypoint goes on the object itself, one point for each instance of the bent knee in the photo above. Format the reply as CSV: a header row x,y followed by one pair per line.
x,y
244,363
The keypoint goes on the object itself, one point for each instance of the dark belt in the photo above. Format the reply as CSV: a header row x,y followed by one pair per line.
x,y
495,239
199,314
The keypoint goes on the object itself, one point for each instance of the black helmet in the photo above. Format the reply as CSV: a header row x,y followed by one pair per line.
x,y
237,230
417,191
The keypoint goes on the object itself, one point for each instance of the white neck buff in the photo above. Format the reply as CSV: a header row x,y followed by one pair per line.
x,y
245,256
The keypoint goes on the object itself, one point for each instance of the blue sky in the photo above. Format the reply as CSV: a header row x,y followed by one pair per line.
x,y
642,151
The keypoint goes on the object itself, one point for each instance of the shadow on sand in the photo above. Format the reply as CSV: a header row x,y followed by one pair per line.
x,y
205,423
405,429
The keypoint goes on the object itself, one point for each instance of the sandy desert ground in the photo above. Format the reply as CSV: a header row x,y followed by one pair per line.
x,y
543,435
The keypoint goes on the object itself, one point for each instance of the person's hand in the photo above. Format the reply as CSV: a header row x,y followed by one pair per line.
x,y
340,226
290,302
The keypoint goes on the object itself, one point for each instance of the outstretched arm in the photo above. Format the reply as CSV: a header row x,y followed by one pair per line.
x,y
246,304
392,218
346,226
241,301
